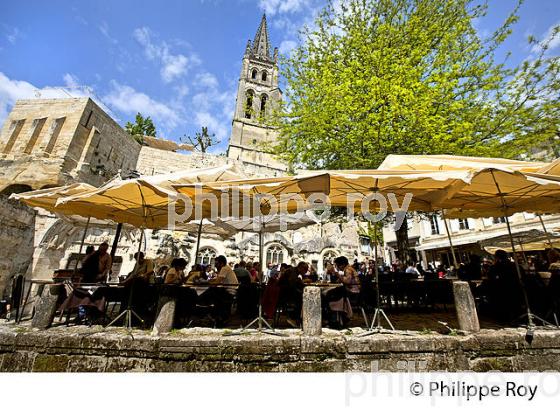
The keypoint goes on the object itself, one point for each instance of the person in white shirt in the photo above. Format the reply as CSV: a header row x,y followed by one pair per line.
x,y
221,297
411,270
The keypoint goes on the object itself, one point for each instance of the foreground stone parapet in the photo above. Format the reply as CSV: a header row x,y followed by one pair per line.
x,y
80,348
166,315
311,311
46,306
465,306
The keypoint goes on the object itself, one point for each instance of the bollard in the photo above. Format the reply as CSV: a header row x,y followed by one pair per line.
x,y
311,311
166,315
465,307
46,306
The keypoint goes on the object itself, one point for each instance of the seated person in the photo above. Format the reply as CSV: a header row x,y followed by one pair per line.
x,y
411,270
221,297
349,275
336,300
143,269
291,291
96,266
331,274
196,275
176,273
243,275
310,276
255,271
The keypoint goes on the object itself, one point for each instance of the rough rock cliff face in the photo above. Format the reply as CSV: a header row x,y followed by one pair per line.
x,y
17,228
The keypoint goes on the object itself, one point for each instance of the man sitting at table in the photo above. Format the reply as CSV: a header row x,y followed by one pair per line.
x,y
97,265
219,296
143,269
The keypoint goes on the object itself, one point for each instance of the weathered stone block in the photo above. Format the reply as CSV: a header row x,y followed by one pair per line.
x,y
165,316
311,311
465,306
46,308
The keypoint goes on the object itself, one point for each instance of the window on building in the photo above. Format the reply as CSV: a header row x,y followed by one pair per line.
x,y
499,220
254,74
464,224
274,255
15,128
249,104
36,128
263,104
206,256
434,225
264,75
54,131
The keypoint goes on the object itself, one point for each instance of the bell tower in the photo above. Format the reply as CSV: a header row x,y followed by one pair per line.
x,y
257,95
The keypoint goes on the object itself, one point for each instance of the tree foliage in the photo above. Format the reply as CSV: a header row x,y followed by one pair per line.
x,y
379,77
142,127
203,140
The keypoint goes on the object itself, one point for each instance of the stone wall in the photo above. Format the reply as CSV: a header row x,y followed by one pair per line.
x,y
94,349
17,224
153,161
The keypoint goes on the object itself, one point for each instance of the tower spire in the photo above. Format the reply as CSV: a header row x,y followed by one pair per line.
x,y
261,45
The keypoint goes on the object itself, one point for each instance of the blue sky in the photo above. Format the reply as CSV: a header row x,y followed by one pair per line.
x,y
177,61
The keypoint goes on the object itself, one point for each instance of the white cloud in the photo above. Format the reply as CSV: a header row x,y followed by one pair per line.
x,y
287,46
70,80
129,101
206,79
13,35
173,66
104,29
273,7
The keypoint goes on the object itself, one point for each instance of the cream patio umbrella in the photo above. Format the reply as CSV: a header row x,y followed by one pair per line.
x,y
448,162
551,169
454,162
341,188
142,202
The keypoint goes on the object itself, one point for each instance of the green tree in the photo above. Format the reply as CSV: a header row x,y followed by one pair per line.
x,y
379,77
202,140
142,127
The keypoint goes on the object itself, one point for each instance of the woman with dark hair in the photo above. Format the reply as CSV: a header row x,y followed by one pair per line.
x,y
176,273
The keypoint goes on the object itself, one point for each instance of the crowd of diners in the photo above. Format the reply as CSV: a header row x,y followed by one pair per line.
x,y
216,290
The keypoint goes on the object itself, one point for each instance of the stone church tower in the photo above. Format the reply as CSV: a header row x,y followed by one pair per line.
x,y
257,95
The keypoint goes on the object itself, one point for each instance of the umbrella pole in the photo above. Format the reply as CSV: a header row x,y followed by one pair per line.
x,y
198,240
450,243
545,231
115,245
129,312
379,313
82,244
529,315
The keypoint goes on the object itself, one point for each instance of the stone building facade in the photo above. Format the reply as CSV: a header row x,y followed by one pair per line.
x,y
46,143
429,242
